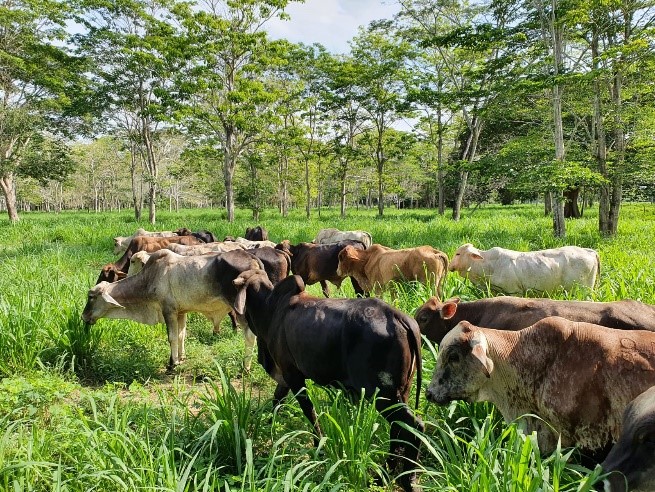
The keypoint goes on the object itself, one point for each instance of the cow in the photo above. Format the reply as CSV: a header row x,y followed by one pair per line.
x,y
143,243
247,244
376,266
632,459
201,249
318,263
515,272
357,344
122,242
257,233
203,235
577,377
170,286
436,318
329,236
110,273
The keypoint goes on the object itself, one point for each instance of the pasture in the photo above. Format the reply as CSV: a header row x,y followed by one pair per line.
x,y
92,408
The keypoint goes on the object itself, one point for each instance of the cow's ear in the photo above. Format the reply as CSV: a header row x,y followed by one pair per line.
x,y
448,310
240,301
479,350
476,256
110,300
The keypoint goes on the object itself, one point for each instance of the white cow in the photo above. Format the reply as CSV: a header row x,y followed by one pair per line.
x,y
122,242
248,244
515,272
329,236
201,249
170,286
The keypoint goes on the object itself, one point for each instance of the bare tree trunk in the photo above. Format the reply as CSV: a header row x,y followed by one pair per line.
x,y
308,190
469,156
9,190
229,165
548,203
571,205
136,200
342,178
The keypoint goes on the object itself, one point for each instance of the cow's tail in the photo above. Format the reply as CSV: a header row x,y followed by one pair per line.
x,y
414,337
443,257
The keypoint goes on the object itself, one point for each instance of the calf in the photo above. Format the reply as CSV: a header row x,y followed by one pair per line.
x,y
170,286
143,243
257,233
329,236
122,242
514,272
354,343
378,265
632,459
318,263
437,318
577,377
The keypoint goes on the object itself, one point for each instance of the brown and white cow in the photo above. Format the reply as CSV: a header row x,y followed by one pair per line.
x,y
357,344
516,272
632,459
142,243
170,286
329,236
436,318
319,262
122,242
376,266
577,377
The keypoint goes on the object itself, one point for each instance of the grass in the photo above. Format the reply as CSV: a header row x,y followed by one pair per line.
x,y
93,408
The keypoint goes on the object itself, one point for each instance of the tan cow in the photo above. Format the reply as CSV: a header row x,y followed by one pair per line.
x,y
577,377
201,249
376,266
515,272
170,286
122,242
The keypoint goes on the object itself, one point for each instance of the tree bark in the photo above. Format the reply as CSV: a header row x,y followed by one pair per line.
x,y
571,205
9,190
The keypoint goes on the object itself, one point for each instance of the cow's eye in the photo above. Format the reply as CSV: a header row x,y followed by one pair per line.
x,y
646,438
453,358
423,317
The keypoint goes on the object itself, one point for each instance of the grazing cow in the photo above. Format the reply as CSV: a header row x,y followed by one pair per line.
x,y
204,236
376,266
319,262
257,233
632,459
170,286
353,343
110,273
143,243
122,242
201,249
514,272
328,236
436,318
577,377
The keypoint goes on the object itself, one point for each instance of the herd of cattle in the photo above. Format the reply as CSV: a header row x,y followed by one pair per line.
x,y
573,371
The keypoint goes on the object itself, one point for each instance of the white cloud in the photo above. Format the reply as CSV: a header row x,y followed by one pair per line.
x,y
331,23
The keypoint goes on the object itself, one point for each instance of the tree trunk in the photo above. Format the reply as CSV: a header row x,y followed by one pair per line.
x,y
559,227
461,190
152,203
9,190
380,191
229,165
548,203
136,199
571,206
468,155
308,190
342,177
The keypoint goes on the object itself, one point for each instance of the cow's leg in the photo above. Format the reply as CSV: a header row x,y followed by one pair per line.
x,y
173,338
249,344
326,289
281,391
359,292
233,319
403,453
181,335
296,383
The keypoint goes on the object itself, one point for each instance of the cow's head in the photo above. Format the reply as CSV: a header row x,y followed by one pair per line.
x,y
119,245
350,261
99,303
285,246
431,317
254,279
183,231
463,366
464,257
110,273
257,233
632,458
137,262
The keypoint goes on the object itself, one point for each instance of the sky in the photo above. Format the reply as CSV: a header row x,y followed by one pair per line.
x,y
331,23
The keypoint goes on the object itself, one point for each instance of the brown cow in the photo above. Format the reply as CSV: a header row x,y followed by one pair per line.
x,y
257,233
143,243
577,377
436,318
319,262
376,266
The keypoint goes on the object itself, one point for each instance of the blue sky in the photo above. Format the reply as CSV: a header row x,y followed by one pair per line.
x,y
329,22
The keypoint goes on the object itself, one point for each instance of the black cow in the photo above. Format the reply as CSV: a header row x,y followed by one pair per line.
x,y
257,233
633,455
352,343
319,262
204,235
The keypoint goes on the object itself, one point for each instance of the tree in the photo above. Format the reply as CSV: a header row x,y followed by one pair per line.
x,y
221,98
37,78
